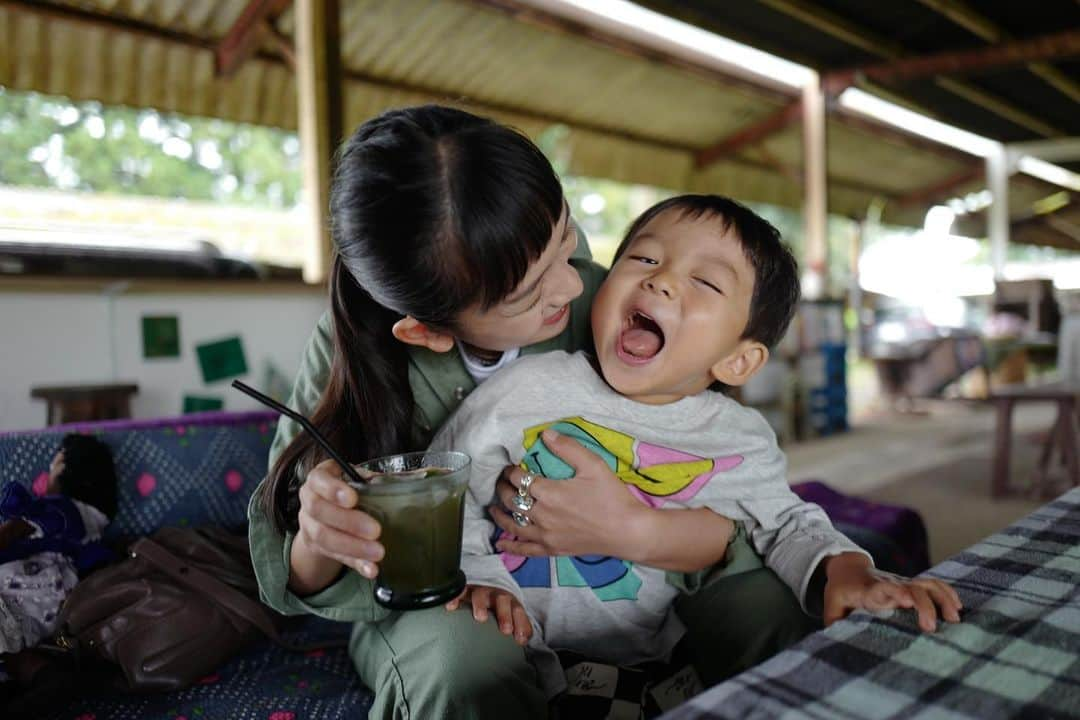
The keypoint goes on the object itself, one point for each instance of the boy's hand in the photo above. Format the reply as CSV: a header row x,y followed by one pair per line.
x,y
509,613
853,584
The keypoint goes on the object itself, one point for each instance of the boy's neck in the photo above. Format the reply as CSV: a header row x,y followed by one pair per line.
x,y
644,400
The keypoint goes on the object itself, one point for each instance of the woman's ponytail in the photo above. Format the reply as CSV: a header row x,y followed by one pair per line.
x,y
366,409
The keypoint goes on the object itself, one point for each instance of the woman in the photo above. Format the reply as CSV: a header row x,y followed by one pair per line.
x,y
455,253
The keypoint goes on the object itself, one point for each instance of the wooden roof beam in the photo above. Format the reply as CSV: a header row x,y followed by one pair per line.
x,y
1045,47
943,187
965,16
1035,217
751,135
1051,221
283,44
846,31
255,22
791,172
1069,229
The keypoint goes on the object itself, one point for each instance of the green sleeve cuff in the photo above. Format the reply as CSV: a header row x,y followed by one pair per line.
x,y
349,599
687,583
740,557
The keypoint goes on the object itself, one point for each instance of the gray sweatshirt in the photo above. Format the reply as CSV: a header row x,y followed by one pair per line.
x,y
701,451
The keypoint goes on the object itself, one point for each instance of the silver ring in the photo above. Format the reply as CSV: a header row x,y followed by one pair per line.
x,y
526,483
522,519
524,503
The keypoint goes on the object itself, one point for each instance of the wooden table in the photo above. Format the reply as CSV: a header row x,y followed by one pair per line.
x,y
1062,433
77,403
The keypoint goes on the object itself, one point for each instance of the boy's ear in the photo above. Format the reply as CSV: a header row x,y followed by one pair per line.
x,y
738,367
411,331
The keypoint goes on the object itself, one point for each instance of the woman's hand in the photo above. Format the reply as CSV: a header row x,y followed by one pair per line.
x,y
591,514
594,513
332,532
509,612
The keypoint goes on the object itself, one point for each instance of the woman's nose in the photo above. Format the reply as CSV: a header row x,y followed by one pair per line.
x,y
567,286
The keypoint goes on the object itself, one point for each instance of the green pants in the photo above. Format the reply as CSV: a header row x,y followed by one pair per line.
x,y
439,664
742,615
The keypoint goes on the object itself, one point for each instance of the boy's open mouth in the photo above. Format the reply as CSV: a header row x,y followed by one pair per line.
x,y
641,338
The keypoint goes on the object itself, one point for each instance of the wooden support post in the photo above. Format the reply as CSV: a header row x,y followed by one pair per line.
x,y
815,202
997,180
319,95
855,293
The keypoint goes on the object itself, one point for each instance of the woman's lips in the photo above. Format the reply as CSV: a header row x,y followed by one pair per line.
x,y
558,316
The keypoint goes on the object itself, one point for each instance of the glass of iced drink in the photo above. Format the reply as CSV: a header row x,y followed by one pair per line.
x,y
418,498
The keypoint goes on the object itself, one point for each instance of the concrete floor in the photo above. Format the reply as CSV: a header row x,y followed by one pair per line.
x,y
937,462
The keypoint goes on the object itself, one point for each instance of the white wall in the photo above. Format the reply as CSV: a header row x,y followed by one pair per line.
x,y
77,338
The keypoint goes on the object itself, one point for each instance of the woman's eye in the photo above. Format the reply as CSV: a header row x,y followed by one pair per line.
x,y
642,258
709,285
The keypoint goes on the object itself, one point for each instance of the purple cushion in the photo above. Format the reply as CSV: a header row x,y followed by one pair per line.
x,y
893,534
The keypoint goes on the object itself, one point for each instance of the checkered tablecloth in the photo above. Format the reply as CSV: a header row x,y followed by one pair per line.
x,y
1015,655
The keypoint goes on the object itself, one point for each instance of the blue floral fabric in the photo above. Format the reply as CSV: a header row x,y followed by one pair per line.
x,y
193,470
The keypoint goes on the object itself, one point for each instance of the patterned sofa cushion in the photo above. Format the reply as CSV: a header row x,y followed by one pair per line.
x,y
193,470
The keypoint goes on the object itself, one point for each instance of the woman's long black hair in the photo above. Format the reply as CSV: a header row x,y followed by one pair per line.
x,y
433,210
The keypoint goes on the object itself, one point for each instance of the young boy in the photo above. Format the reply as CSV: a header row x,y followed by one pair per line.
x,y
700,289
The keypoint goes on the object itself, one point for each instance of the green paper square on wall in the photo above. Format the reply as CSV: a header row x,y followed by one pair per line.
x,y
221,359
161,336
197,403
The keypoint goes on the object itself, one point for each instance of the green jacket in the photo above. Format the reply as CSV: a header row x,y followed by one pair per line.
x,y
439,383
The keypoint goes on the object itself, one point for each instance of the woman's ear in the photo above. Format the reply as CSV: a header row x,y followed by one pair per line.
x,y
411,331
738,367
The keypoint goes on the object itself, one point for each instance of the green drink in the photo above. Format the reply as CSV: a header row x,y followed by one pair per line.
x,y
418,498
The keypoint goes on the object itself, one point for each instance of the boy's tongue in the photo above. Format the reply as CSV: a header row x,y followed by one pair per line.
x,y
640,342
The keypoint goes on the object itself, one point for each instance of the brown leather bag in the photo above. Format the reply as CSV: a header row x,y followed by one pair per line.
x,y
180,605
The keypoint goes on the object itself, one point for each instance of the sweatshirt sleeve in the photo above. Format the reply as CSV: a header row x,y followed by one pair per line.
x,y
791,535
794,537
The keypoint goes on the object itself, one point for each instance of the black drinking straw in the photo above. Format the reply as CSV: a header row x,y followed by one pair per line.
x,y
275,405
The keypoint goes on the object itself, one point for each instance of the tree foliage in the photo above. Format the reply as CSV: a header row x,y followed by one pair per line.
x,y
54,142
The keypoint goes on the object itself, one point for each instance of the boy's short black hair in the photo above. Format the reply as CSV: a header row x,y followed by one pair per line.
x,y
89,474
776,273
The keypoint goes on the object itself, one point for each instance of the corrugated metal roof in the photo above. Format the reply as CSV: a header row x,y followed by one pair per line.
x,y
630,118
